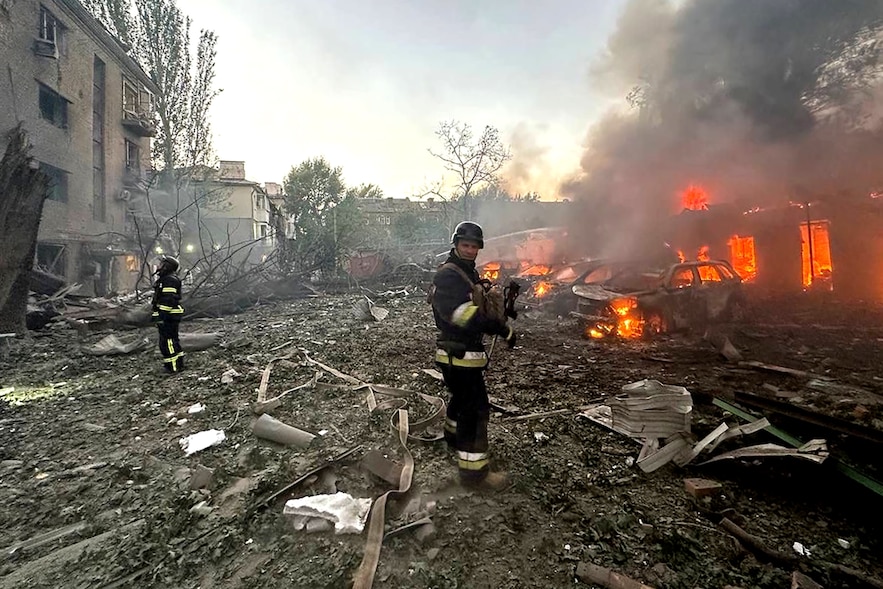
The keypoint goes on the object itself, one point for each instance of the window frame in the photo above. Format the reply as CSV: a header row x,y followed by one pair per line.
x,y
58,179
59,106
133,166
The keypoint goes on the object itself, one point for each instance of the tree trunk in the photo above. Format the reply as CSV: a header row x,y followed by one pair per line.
x,y
23,188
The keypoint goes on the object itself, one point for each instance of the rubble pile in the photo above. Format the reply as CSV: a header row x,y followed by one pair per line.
x,y
299,419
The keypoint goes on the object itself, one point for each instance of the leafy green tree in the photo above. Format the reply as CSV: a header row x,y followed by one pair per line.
x,y
325,215
365,191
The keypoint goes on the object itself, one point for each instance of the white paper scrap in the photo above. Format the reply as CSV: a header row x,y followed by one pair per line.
x,y
201,440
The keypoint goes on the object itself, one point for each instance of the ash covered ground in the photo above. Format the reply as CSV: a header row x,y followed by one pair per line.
x,y
90,452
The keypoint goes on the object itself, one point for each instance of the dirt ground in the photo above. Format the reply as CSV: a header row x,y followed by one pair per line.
x,y
89,450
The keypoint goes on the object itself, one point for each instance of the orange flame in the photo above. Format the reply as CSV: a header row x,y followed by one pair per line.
x,y
820,267
743,257
695,198
626,323
491,271
541,289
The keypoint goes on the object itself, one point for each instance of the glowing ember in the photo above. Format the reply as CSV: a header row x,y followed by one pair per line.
x,y
695,198
681,257
817,247
626,322
702,255
743,257
491,271
541,289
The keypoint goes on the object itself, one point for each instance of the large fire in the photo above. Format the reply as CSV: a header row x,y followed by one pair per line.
x,y
694,198
491,271
743,257
816,247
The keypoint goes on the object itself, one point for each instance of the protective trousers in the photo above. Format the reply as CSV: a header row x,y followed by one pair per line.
x,y
467,419
169,346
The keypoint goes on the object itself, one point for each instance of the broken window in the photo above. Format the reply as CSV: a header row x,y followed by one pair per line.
x,y
133,157
709,273
816,253
131,98
58,188
682,278
743,257
53,107
49,26
132,264
51,258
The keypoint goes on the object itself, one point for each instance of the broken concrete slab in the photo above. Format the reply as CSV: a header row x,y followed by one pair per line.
x,y
202,477
377,464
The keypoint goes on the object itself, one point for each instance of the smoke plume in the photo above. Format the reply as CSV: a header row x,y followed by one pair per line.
x,y
758,101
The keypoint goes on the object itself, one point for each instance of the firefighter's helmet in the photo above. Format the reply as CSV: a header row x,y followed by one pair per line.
x,y
167,265
469,231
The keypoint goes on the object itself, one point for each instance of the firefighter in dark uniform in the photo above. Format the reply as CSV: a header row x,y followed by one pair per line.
x,y
167,313
462,359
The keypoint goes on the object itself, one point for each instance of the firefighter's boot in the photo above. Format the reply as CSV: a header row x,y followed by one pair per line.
x,y
492,481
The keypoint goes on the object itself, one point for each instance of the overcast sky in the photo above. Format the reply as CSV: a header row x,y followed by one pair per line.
x,y
366,82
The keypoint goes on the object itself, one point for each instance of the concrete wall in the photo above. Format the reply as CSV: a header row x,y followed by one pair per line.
x,y
73,223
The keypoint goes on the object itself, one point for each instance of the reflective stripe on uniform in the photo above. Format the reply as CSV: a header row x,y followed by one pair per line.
x,y
469,360
169,309
472,460
463,314
173,358
170,289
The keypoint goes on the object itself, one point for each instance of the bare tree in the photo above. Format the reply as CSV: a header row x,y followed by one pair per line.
x,y
474,162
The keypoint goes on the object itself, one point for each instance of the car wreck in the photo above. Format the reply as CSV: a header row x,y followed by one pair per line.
x,y
634,299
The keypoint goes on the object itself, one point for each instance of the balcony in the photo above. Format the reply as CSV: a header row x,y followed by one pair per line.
x,y
139,123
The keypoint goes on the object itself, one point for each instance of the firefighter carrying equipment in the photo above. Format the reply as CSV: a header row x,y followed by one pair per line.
x,y
461,319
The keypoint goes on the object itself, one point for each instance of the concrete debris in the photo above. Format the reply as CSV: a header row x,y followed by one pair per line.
x,y
229,375
366,310
111,345
700,488
196,408
197,342
377,464
202,477
346,513
801,581
814,451
598,575
201,440
272,429
801,549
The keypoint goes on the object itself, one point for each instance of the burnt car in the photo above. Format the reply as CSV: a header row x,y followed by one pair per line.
x,y
631,299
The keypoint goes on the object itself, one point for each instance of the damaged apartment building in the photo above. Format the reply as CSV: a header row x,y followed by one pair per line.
x,y
86,108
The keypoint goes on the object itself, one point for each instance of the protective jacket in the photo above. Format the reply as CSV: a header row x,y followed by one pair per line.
x,y
460,322
167,298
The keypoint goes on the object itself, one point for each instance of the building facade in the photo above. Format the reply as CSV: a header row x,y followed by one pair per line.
x,y
86,107
236,214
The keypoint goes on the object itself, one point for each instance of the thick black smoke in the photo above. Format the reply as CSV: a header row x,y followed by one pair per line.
x,y
759,101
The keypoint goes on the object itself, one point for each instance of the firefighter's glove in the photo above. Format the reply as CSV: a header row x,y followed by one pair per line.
x,y
511,338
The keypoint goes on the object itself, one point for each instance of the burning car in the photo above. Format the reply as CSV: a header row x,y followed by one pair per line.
x,y
631,299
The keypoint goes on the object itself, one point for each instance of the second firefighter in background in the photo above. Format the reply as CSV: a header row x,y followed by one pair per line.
x,y
167,313
462,358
